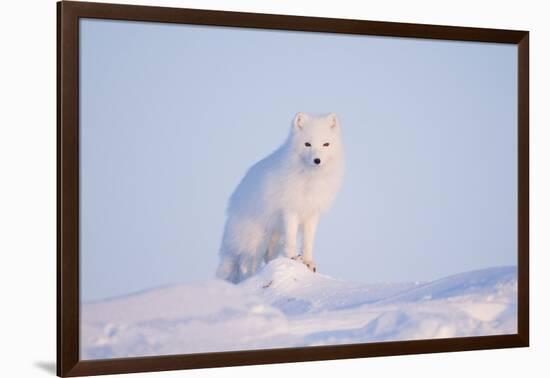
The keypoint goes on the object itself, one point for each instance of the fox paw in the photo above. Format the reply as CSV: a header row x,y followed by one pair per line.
x,y
310,264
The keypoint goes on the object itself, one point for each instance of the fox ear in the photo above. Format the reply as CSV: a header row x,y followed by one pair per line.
x,y
299,120
333,121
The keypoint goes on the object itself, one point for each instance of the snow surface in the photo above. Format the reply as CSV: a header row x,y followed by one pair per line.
x,y
285,305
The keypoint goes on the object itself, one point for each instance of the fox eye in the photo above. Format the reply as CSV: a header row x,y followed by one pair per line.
x,y
308,144
326,144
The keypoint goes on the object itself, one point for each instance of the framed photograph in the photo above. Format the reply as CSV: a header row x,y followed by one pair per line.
x,y
238,188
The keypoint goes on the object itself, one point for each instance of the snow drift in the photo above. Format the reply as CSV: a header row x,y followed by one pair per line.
x,y
285,305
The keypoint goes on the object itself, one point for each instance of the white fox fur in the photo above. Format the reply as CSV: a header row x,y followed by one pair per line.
x,y
281,197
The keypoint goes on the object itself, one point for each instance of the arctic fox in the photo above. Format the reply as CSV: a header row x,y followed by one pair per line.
x,y
281,197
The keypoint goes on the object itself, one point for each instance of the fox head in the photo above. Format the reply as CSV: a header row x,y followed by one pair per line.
x,y
316,140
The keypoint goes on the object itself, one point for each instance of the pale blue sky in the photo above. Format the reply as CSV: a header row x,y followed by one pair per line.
x,y
171,117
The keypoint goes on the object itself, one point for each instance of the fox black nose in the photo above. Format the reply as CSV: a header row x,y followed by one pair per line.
x,y
317,161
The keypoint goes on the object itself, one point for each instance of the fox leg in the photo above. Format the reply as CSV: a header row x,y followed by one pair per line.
x,y
228,268
272,248
309,228
290,234
246,267
242,251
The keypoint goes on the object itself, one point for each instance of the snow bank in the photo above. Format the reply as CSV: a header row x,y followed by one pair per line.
x,y
285,305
